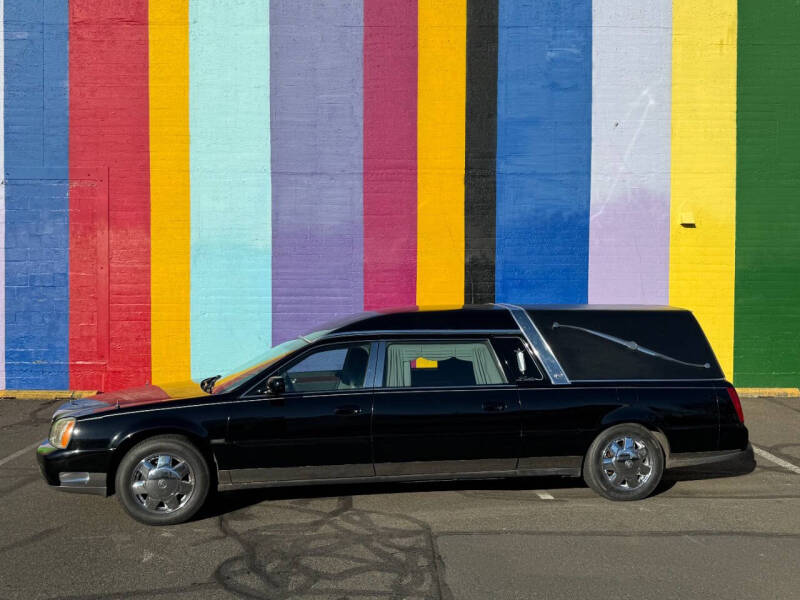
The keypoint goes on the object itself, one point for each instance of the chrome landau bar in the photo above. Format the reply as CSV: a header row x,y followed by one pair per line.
x,y
538,344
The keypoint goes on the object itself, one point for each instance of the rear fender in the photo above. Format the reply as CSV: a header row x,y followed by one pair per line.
x,y
642,416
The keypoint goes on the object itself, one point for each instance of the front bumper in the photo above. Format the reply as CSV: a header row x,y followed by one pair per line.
x,y
72,470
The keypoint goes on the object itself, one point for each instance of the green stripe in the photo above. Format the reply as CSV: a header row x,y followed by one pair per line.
x,y
767,317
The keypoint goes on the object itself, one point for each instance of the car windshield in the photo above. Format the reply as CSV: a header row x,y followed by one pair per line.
x,y
251,368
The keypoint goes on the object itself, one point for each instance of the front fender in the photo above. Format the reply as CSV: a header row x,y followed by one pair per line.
x,y
137,430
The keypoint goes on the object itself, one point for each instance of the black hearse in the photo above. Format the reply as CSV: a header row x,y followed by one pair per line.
x,y
615,394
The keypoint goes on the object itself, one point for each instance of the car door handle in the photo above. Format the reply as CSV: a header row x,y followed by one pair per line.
x,y
348,410
493,406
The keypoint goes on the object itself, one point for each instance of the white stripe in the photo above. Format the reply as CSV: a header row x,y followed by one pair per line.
x,y
545,496
18,453
778,461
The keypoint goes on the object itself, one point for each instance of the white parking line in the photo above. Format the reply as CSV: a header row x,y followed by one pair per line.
x,y
545,496
18,453
772,458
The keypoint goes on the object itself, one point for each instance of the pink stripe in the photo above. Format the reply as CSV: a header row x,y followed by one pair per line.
x,y
390,153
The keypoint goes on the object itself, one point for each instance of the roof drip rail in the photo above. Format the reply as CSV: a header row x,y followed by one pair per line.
x,y
539,345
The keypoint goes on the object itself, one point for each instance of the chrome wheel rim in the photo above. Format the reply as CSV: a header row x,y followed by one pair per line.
x,y
162,483
626,463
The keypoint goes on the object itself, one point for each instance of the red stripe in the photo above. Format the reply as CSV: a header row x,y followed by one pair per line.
x,y
390,153
109,194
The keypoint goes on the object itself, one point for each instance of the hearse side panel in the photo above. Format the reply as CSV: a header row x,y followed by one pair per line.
x,y
688,416
563,420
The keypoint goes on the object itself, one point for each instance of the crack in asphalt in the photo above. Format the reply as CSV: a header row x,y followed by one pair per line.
x,y
148,593
36,537
340,553
624,534
783,404
23,482
34,418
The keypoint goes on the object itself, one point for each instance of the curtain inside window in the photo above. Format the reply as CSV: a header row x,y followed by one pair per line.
x,y
400,356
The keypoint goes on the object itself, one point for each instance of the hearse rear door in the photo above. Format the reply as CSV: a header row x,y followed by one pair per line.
x,y
558,421
445,406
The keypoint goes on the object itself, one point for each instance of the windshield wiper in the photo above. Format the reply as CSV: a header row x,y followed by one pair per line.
x,y
304,338
207,385
631,345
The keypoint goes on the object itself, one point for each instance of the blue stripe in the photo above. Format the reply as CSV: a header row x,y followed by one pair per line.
x,y
37,193
229,79
544,96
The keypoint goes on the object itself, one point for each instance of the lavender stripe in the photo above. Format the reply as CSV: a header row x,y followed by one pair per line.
x,y
631,87
316,86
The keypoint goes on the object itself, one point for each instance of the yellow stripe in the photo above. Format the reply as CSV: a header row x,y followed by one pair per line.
x,y
441,106
704,167
169,189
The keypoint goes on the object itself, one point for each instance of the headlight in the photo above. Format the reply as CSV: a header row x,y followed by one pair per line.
x,y
61,432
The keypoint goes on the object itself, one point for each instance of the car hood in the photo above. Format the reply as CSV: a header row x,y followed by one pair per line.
x,y
135,396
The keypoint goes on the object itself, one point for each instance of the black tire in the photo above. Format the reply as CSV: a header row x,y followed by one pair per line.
x,y
625,477
187,471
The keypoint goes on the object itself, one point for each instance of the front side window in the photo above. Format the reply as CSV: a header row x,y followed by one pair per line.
x,y
441,364
328,369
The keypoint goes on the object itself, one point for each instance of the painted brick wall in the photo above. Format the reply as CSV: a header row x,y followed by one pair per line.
x,y
187,182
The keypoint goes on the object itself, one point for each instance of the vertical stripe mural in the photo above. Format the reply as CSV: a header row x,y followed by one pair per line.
x,y
629,233
441,90
767,317
36,194
544,94
703,207
229,79
481,146
110,193
317,163
170,231
187,182
390,153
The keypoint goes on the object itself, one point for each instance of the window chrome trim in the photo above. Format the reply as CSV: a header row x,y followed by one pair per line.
x,y
540,347
420,332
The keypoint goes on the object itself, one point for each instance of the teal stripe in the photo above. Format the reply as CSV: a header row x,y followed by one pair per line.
x,y
229,76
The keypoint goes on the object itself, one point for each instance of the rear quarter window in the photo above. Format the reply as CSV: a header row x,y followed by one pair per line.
x,y
645,345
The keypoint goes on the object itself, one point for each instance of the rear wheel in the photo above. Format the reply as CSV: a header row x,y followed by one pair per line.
x,y
163,480
625,462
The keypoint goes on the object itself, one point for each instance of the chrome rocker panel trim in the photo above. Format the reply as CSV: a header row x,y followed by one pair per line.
x,y
234,479
82,482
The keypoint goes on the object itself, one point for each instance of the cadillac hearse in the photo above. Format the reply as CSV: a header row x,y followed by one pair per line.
x,y
613,394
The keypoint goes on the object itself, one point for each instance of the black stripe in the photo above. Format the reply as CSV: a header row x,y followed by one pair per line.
x,y
481,151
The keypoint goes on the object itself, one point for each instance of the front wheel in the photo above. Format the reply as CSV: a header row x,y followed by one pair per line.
x,y
163,480
625,462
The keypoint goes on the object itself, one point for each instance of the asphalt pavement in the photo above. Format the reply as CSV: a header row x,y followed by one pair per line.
x,y
700,537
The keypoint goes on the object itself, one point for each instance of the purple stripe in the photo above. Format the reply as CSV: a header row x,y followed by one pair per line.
x,y
316,86
631,87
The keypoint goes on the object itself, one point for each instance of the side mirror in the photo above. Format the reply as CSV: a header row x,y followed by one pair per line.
x,y
276,385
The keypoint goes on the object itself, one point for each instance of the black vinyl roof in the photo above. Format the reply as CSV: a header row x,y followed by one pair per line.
x,y
592,342
473,316
469,317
